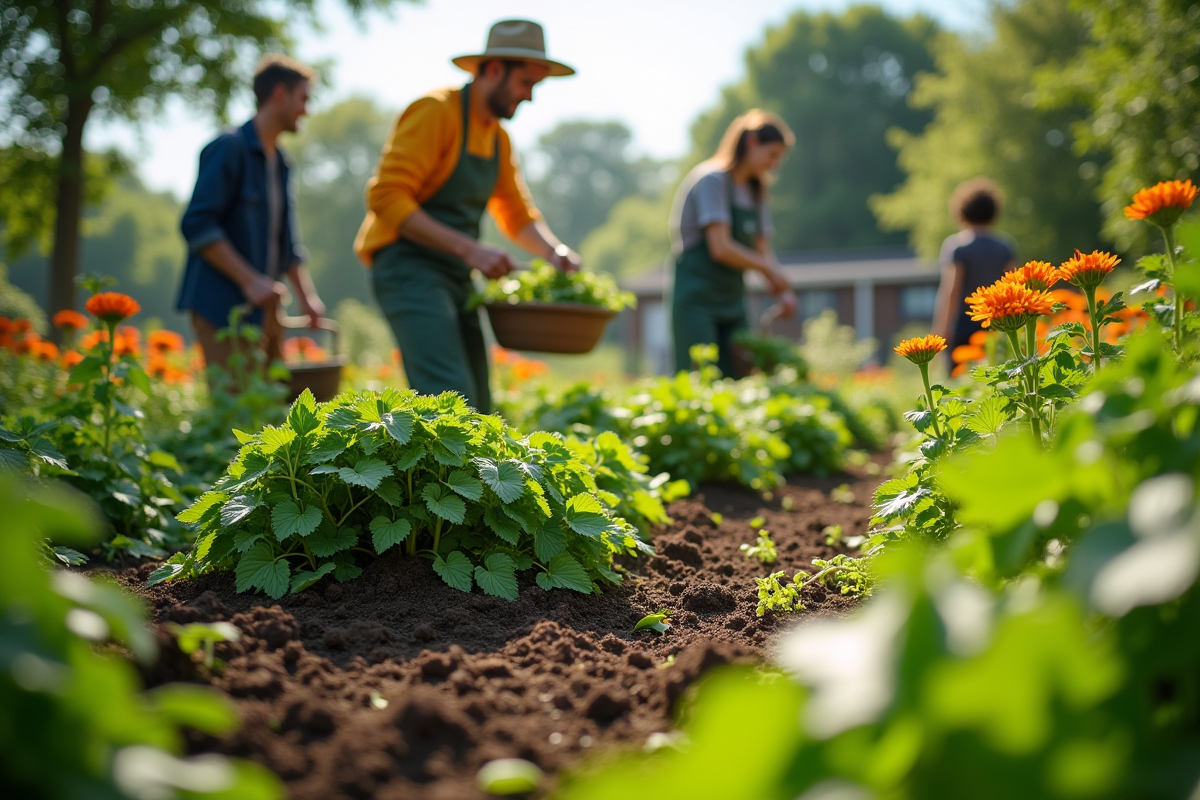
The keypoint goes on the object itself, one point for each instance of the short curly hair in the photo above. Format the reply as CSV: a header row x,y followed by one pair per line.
x,y
976,202
275,69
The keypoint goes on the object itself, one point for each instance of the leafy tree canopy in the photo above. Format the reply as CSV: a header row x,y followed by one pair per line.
x,y
986,122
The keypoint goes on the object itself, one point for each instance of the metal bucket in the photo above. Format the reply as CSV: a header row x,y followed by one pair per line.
x,y
322,378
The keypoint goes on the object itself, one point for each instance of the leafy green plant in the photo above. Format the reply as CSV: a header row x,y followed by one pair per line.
x,y
73,722
763,548
844,574
623,481
778,595
353,478
542,283
769,353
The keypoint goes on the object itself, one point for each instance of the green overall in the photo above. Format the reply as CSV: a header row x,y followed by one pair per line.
x,y
709,300
423,292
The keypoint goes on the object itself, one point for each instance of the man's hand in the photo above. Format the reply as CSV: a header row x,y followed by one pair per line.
x,y
312,307
777,284
261,291
787,303
493,262
566,260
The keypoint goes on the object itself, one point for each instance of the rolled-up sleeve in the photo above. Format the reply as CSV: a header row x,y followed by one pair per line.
x,y
216,184
411,154
712,200
511,204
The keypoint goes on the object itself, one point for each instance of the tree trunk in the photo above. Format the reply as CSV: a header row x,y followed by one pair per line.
x,y
64,259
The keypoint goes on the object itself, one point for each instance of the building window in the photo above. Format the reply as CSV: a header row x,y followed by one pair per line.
x,y
918,302
814,301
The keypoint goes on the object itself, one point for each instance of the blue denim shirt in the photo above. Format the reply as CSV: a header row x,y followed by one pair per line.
x,y
230,202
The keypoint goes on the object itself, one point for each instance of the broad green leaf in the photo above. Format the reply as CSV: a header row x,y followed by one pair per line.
x,y
328,540
196,511
343,418
242,437
399,425
586,516
8,436
258,569
502,526
390,492
165,572
367,472
410,457
989,416
455,569
549,541
505,776
450,446
657,622
289,519
303,580
464,484
564,572
197,707
345,569
86,371
163,459
13,460
499,578
504,478
444,503
385,532
303,416
246,538
275,438
238,508
327,448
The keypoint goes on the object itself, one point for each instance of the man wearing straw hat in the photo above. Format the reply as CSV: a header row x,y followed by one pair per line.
x,y
447,160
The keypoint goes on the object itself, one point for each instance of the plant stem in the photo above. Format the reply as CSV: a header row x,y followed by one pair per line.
x,y
437,534
1035,382
1177,317
109,350
937,431
1090,293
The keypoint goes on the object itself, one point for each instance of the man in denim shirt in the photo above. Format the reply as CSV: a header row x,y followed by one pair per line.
x,y
240,224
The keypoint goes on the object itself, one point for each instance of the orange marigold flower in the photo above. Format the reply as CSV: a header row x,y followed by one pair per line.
x,y
1163,203
128,342
302,348
70,320
164,341
1007,306
21,326
978,338
70,358
45,351
1088,270
112,307
93,339
965,353
921,349
1037,275
6,325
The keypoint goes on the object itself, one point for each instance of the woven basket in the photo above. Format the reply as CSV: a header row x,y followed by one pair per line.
x,y
548,327
322,378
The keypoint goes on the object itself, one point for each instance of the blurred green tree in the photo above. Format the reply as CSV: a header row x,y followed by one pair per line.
x,y
581,169
65,62
1139,79
987,122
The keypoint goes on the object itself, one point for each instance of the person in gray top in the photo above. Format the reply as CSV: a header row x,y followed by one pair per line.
x,y
976,256
720,229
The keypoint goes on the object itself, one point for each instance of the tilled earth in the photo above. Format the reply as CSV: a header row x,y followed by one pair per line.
x,y
467,678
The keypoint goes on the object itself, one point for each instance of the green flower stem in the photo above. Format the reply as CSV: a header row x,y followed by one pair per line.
x,y
354,508
1035,381
1168,233
1027,381
109,350
1090,293
437,534
937,431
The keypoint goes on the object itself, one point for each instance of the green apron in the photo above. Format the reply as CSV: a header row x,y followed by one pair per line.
x,y
423,291
708,304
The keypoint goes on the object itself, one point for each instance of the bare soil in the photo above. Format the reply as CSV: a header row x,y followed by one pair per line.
x,y
467,678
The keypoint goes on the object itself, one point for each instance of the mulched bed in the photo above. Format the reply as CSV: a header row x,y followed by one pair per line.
x,y
551,677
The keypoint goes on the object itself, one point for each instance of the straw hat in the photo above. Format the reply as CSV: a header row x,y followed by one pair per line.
x,y
517,39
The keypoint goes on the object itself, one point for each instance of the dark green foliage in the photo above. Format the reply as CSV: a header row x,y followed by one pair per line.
x,y
340,483
73,722
542,283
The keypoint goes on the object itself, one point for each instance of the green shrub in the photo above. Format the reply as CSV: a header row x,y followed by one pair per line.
x,y
73,723
348,480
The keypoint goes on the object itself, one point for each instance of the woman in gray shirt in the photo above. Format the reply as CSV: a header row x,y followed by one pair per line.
x,y
721,228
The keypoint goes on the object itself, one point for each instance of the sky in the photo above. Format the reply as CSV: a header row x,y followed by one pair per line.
x,y
653,64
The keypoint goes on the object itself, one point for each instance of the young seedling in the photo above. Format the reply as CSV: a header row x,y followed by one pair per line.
x,y
758,522
204,637
833,535
779,596
842,494
763,549
656,622
509,776
378,701
788,503
717,519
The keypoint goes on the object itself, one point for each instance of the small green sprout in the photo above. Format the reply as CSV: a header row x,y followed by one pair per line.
x,y
717,519
509,776
842,494
758,522
204,636
763,549
378,701
788,503
833,535
779,596
656,622
669,662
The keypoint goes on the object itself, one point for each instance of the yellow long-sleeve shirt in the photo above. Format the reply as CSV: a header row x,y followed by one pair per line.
x,y
421,155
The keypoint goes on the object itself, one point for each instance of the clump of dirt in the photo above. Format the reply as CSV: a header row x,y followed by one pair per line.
x,y
397,686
